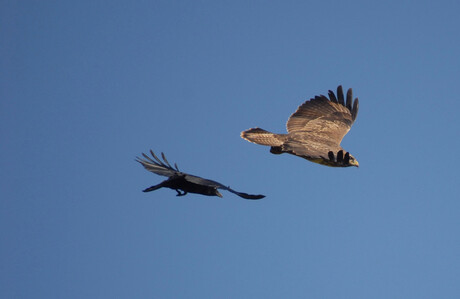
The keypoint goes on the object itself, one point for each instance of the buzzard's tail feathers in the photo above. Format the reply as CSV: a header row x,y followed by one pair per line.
x,y
260,136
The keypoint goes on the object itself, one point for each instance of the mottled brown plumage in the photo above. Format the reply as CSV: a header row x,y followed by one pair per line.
x,y
184,182
315,130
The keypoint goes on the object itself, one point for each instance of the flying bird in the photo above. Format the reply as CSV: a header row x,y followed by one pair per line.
x,y
181,181
315,130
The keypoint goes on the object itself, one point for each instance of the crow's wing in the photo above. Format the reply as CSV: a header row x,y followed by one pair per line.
x,y
211,183
157,166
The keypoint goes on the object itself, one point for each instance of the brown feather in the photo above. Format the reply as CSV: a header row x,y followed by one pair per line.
x,y
260,136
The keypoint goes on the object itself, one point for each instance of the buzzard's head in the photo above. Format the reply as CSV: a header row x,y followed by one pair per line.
x,y
353,161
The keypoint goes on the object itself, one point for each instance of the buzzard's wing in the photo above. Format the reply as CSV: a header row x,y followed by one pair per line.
x,y
157,166
323,117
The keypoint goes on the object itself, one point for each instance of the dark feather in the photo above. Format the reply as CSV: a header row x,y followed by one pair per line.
x,y
354,112
340,156
347,158
340,95
332,97
349,98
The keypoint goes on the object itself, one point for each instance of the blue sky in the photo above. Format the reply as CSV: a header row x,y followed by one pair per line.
x,y
86,86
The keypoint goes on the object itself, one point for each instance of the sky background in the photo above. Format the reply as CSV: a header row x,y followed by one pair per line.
x,y
86,86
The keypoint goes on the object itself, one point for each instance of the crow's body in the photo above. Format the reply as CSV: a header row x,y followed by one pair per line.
x,y
180,182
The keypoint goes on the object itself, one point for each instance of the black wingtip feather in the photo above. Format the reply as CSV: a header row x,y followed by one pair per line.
x,y
323,97
354,111
340,156
347,158
351,105
340,95
332,96
349,98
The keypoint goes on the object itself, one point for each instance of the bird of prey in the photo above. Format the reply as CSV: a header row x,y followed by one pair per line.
x,y
181,181
315,130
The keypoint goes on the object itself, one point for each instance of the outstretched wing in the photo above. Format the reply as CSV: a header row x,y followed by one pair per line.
x,y
157,166
331,118
211,183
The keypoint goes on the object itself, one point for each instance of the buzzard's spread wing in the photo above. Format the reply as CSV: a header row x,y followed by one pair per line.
x,y
323,118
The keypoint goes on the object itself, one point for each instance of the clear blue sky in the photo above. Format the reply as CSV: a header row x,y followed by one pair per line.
x,y
86,86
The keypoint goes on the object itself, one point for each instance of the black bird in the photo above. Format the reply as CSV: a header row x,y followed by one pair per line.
x,y
184,182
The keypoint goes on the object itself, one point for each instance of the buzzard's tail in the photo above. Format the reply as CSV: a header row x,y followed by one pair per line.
x,y
260,136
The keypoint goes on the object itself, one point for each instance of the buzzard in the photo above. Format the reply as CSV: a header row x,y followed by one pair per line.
x,y
181,181
315,130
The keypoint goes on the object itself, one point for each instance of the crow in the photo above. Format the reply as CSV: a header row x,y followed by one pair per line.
x,y
181,181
